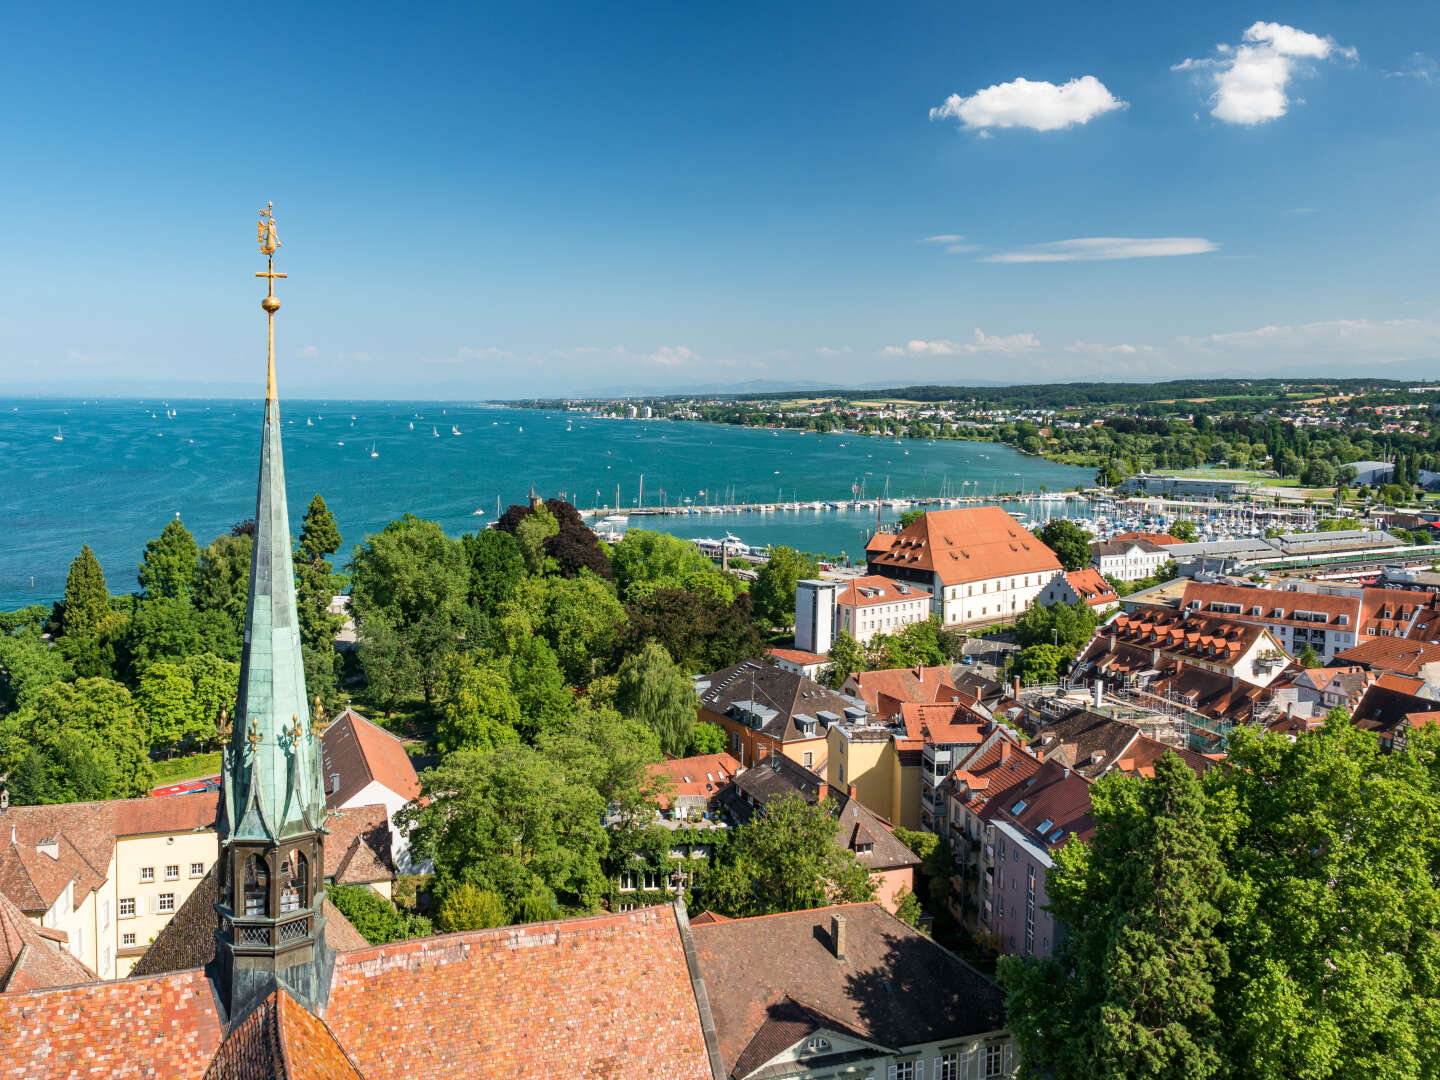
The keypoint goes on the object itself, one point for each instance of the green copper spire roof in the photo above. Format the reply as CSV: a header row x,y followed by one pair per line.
x,y
272,782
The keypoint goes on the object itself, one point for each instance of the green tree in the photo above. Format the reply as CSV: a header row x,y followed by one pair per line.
x,y
698,629
654,691
544,698
165,628
909,517
1307,658
28,664
707,739
1131,991
532,532
316,583
785,859
645,561
510,822
376,918
1070,543
413,581
1184,531
222,581
467,907
182,700
1039,664
1068,626
773,593
168,567
478,709
496,566
580,618
846,659
610,754
86,607
76,741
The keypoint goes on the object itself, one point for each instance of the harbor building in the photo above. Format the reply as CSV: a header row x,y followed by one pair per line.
x,y
978,563
1184,487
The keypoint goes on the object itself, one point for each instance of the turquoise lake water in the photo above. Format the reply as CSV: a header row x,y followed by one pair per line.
x,y
125,468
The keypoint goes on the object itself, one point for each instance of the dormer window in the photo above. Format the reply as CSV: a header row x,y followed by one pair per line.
x,y
817,1044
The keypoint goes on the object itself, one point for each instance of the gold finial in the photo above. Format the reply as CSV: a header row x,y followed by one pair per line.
x,y
295,730
253,736
265,232
223,723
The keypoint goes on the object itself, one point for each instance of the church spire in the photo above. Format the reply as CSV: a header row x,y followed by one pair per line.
x,y
272,806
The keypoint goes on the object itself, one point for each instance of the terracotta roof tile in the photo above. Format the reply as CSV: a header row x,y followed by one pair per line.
x,y
904,684
31,958
162,1026
1392,654
357,848
358,752
870,590
1091,585
703,776
970,544
603,996
282,1040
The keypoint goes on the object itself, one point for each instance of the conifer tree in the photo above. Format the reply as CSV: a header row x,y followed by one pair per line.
x,y
168,568
87,600
315,579
1131,991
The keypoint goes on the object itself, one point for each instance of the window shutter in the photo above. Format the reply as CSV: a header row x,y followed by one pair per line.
x,y
1008,1058
938,1074
891,1072
919,1069
154,905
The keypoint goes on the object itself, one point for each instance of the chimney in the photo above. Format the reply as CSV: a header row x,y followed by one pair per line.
x,y
1112,641
837,936
920,671
1099,693
822,792
1017,687
1155,658
850,791
1004,751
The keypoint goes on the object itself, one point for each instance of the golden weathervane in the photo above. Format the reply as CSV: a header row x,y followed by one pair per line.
x,y
265,233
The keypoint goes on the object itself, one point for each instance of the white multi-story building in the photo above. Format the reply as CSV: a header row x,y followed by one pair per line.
x,y
1128,560
872,605
979,564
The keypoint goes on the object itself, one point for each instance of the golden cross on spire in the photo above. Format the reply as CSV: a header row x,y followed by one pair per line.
x,y
265,233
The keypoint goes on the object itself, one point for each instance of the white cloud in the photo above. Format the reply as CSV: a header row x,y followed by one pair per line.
x,y
1251,79
979,342
954,243
1103,248
1400,336
673,356
826,350
307,352
1417,66
1040,106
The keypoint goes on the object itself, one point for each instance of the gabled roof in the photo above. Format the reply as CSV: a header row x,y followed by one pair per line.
x,y
974,543
855,824
360,752
357,849
1051,808
944,723
990,772
32,958
82,837
904,684
283,1040
1382,710
1158,539
1087,742
1102,548
1217,641
703,776
895,987
871,590
779,696
1091,586
1140,758
1396,655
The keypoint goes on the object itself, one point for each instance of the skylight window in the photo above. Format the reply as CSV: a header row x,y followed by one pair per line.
x,y
1018,807
1056,835
1045,826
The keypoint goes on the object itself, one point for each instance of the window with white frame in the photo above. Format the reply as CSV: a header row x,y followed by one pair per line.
x,y
947,1066
652,880
627,906
172,872
627,881
809,759
127,907
994,1060
127,941
165,902
817,1044
902,1070
147,873
197,869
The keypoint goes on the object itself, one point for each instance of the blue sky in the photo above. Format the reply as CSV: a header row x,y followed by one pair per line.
x,y
549,199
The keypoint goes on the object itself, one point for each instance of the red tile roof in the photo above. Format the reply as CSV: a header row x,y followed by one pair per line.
x,y
701,776
357,850
1055,797
904,684
360,752
1220,641
993,772
1392,654
944,723
84,836
1091,585
32,958
799,656
600,996
871,590
971,544
284,1040
162,1026
1160,539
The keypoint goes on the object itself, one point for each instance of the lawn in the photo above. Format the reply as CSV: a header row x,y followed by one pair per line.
x,y
186,768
